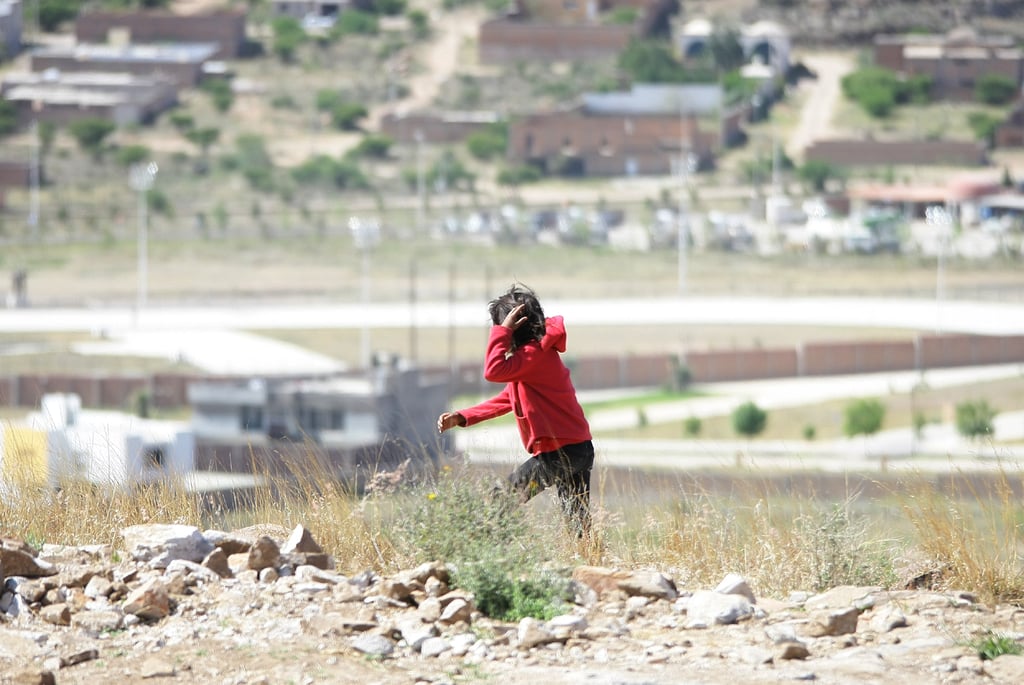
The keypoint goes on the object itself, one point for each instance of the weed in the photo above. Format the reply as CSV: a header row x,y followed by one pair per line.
x,y
992,645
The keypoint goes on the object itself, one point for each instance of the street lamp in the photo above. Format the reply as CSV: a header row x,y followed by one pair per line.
x,y
141,178
941,221
365,236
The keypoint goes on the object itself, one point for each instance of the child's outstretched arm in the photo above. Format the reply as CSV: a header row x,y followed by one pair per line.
x,y
450,419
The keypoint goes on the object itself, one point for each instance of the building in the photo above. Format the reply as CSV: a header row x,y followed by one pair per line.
x,y
10,28
61,98
955,62
639,132
63,442
182,63
764,42
349,425
225,28
435,127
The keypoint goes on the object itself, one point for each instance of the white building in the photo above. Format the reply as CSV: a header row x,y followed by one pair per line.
x,y
64,442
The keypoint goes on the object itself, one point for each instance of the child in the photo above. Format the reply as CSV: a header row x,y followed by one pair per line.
x,y
523,352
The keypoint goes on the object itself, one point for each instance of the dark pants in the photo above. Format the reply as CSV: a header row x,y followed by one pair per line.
x,y
568,469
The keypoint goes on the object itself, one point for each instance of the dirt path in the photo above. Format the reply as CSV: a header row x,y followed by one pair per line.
x,y
823,94
437,60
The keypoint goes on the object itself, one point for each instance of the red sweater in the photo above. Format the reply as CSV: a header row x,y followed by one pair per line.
x,y
538,390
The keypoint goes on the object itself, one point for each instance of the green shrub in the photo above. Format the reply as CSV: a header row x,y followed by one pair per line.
x,y
692,426
863,417
749,420
810,432
992,645
974,419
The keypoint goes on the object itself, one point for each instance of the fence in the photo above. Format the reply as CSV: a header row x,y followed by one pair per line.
x,y
169,391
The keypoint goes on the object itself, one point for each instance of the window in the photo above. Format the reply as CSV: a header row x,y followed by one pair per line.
x,y
251,418
153,458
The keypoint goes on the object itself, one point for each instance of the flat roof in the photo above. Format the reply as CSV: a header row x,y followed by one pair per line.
x,y
99,52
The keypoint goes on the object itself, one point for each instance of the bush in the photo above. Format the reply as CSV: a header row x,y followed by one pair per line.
x,y
488,143
863,417
974,419
692,426
749,420
995,89
483,534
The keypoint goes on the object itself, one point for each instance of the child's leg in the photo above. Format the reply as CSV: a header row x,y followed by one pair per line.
x,y
576,462
529,479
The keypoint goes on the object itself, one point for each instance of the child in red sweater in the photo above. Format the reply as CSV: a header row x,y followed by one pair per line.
x,y
523,352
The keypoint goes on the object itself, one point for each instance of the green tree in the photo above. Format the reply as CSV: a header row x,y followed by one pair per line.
x,y
254,162
8,118
420,23
863,417
651,61
726,50
288,36
374,146
389,8
355,22
220,93
996,89
489,142
128,155
53,13
346,115
519,175
90,133
623,16
203,138
749,420
974,419
817,173
984,126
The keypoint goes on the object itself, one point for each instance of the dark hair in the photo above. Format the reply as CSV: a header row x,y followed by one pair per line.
x,y
518,294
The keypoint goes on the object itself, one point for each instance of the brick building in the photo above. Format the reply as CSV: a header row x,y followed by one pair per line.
x,y
578,143
182,63
226,28
61,98
955,61
435,127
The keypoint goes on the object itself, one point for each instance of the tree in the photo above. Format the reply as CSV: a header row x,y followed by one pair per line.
x,y
346,115
995,89
817,173
974,419
863,417
8,118
53,13
489,142
650,61
220,92
726,51
420,23
984,126
749,420
288,36
374,146
132,154
90,133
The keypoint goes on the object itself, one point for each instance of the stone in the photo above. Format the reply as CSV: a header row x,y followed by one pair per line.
x,y
17,559
706,608
217,561
373,645
838,622
1008,668
434,646
649,584
264,553
843,596
455,611
30,676
532,632
301,541
599,579
149,601
160,544
56,614
735,584
792,650
98,586
154,667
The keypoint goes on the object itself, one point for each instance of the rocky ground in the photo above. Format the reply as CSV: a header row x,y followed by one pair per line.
x,y
261,605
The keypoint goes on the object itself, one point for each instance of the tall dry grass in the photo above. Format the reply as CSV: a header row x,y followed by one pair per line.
x,y
965,532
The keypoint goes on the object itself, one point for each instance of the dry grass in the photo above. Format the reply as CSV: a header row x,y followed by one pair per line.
x,y
962,533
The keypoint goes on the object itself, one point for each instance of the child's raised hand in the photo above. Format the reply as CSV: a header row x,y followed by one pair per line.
x,y
515,318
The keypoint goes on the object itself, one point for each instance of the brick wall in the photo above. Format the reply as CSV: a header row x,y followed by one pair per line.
x,y
502,40
825,358
594,373
227,29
